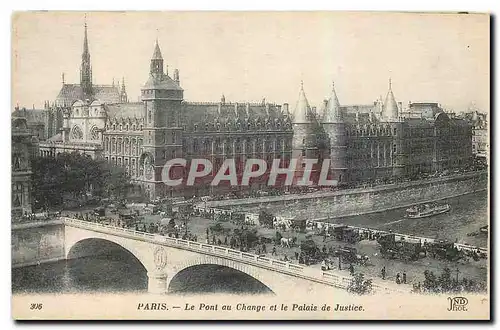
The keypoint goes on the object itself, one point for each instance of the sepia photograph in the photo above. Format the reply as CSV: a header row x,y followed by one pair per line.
x,y
250,165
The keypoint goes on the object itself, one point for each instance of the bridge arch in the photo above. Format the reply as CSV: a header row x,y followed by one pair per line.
x,y
142,251
200,261
94,246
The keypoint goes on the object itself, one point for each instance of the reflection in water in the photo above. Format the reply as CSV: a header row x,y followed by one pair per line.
x,y
90,274
216,279
102,274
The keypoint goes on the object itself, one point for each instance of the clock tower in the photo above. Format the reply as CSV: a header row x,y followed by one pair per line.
x,y
162,97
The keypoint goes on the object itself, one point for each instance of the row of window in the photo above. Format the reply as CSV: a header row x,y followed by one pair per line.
x,y
238,145
373,131
239,126
125,145
122,127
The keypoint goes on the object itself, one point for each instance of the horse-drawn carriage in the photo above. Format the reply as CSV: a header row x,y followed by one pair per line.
x,y
444,250
350,255
346,234
404,249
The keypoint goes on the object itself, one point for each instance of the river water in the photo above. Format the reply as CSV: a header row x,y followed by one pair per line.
x,y
123,273
468,213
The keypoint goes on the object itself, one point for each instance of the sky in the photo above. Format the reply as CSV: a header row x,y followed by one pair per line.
x,y
440,58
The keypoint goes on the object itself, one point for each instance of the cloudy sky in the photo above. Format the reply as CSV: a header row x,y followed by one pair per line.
x,y
249,56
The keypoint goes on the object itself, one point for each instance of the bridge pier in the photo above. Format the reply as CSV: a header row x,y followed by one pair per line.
x,y
158,282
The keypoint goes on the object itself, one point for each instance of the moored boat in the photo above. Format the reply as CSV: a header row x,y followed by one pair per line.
x,y
426,210
484,229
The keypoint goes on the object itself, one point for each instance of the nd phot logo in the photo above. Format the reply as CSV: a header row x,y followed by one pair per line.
x,y
458,304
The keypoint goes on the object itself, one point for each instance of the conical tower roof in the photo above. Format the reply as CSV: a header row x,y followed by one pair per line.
x,y
302,112
390,110
332,112
157,52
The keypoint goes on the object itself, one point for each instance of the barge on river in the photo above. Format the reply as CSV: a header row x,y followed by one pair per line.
x,y
427,210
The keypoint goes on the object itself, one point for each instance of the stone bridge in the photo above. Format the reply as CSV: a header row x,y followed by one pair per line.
x,y
165,257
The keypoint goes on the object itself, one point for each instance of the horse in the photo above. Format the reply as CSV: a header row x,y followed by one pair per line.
x,y
288,242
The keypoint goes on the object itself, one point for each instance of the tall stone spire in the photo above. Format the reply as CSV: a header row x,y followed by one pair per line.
x,y
86,67
332,112
390,110
123,92
156,66
302,112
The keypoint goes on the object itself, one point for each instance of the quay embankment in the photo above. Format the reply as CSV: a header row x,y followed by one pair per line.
x,y
358,201
34,243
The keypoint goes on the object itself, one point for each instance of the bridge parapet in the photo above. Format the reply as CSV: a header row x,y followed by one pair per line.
x,y
328,278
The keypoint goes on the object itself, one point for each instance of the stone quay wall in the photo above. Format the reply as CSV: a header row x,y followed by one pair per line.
x,y
37,242
351,202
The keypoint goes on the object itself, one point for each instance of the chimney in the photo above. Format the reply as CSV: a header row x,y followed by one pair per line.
x,y
285,107
176,76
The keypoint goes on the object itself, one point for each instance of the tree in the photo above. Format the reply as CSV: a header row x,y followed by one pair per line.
x,y
115,181
309,248
359,285
266,219
73,176
247,237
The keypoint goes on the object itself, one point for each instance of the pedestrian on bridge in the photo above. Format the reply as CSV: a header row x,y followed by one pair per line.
x,y
383,273
404,277
274,251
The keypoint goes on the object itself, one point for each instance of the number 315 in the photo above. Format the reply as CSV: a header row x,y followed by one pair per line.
x,y
36,306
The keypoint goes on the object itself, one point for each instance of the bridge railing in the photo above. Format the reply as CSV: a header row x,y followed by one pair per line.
x,y
327,277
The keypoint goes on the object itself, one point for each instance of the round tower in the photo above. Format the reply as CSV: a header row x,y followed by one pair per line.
x,y
390,114
304,144
334,127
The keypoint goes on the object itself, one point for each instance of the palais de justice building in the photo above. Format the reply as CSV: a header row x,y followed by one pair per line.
x,y
363,142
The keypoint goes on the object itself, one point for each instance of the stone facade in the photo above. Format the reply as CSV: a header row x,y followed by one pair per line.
x,y
361,142
23,148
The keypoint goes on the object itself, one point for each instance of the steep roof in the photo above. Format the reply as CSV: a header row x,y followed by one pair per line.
x,y
390,110
302,112
208,112
106,93
125,110
69,93
163,81
157,52
332,113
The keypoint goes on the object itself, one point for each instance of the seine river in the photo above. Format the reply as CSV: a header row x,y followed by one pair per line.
x,y
123,273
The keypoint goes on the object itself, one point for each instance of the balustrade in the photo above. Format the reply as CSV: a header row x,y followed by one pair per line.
x,y
308,272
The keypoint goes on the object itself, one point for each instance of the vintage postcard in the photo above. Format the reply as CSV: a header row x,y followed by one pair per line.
x,y
250,165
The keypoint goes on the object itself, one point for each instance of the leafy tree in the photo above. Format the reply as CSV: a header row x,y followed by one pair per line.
x,y
359,285
217,228
266,219
247,237
309,248
73,176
